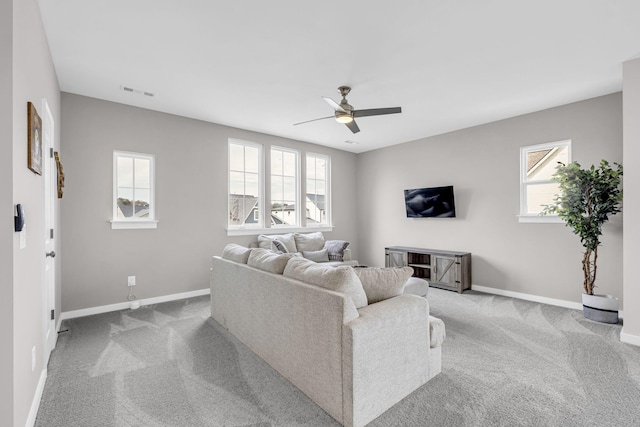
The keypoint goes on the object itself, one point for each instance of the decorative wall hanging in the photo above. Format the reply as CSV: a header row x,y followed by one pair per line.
x,y
35,139
60,174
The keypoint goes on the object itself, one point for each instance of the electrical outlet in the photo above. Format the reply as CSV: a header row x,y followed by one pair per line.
x,y
131,281
33,358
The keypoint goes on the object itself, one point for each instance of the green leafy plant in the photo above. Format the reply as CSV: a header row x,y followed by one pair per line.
x,y
586,199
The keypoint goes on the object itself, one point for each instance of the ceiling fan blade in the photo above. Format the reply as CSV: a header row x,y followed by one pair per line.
x,y
353,127
314,120
376,111
334,104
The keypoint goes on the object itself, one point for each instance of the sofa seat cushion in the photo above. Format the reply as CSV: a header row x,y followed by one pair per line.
x,y
266,260
340,279
236,253
383,283
437,332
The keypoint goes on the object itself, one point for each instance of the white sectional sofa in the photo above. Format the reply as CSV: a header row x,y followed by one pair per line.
x,y
318,327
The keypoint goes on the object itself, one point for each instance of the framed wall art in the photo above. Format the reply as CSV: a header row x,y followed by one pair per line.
x,y
35,139
60,174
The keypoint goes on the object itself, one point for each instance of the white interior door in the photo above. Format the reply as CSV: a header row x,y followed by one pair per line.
x,y
50,178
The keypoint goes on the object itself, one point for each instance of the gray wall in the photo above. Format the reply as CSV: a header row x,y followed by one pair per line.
x,y
191,199
483,165
33,79
6,208
631,198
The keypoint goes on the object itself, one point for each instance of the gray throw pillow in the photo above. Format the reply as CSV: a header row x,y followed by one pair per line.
x,y
340,279
237,253
278,246
383,283
316,256
336,249
266,260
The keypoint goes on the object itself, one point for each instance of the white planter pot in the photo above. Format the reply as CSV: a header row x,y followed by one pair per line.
x,y
601,308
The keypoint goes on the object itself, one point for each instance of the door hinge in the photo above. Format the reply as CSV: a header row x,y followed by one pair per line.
x,y
53,314
51,152
51,233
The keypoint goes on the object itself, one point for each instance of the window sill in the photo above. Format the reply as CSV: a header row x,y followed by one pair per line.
x,y
131,225
275,230
540,219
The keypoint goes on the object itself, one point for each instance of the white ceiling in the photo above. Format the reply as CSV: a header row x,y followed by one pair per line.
x,y
264,65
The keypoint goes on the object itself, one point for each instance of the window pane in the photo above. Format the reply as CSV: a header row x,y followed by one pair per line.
x,y
236,182
276,188
541,164
321,169
252,185
289,161
252,159
236,157
311,167
276,162
125,171
141,204
539,195
142,173
124,202
289,188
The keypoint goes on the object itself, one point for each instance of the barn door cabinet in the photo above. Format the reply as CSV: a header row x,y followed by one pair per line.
x,y
442,269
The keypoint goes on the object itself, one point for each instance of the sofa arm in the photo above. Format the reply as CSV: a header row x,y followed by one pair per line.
x,y
386,356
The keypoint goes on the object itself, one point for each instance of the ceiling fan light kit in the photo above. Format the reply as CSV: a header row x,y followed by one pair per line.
x,y
345,114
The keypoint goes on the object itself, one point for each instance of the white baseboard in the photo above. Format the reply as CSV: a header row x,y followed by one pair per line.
x,y
125,305
534,298
629,339
37,397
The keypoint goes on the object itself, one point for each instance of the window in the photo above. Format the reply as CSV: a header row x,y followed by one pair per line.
x,y
245,185
288,204
537,166
133,190
284,187
317,195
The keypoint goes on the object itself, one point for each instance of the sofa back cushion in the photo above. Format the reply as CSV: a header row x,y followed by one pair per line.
x,y
266,260
340,279
264,241
383,283
237,253
309,242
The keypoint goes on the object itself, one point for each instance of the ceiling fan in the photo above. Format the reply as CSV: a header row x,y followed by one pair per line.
x,y
345,113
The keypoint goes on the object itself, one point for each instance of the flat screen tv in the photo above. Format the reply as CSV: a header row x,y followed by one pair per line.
x,y
434,202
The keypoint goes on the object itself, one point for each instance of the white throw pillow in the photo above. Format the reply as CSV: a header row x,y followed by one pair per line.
x,y
340,279
264,241
309,241
383,283
266,260
237,253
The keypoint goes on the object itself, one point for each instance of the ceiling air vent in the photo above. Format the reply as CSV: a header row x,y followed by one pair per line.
x,y
138,91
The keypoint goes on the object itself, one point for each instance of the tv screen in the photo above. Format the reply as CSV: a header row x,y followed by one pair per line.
x,y
434,202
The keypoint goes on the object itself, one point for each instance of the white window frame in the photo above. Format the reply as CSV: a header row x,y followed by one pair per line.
x,y
259,225
327,196
299,208
133,222
524,215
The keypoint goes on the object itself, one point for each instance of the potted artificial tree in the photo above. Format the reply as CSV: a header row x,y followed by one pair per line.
x,y
586,199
